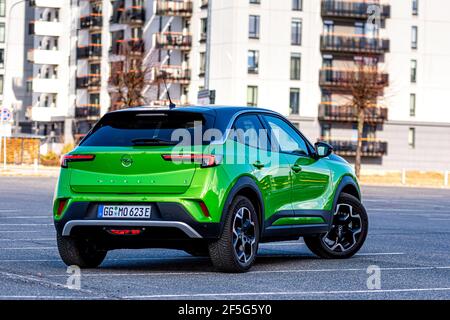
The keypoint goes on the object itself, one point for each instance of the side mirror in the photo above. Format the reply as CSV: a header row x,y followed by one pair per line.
x,y
323,149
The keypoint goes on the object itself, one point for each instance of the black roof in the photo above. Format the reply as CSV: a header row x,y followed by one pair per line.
x,y
222,114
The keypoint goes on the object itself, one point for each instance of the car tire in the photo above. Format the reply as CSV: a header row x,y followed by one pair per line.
x,y
236,249
79,252
348,231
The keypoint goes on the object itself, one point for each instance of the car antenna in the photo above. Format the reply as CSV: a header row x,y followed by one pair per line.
x,y
171,104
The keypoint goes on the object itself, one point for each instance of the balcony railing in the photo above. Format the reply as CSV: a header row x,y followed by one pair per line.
x,y
89,51
173,8
134,14
370,148
343,113
90,81
173,74
352,9
335,78
87,111
353,44
173,40
131,46
92,21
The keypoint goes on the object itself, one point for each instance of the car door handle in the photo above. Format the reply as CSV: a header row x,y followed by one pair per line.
x,y
296,168
258,165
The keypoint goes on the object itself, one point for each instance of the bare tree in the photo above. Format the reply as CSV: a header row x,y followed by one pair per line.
x,y
366,84
130,75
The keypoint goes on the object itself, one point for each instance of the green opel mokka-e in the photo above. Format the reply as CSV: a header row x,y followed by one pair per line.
x,y
136,181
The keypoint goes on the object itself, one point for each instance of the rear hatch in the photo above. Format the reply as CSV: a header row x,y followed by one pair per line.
x,y
127,151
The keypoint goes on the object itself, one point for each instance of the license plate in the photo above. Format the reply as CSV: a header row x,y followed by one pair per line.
x,y
124,212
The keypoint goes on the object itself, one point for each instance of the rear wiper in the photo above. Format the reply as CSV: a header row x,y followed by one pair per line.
x,y
152,142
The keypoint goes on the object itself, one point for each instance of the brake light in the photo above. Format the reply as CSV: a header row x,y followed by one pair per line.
x,y
61,205
65,159
205,160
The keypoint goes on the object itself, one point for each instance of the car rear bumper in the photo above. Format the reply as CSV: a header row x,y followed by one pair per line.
x,y
80,218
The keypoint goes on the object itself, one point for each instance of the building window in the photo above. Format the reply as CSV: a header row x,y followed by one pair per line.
x,y
415,7
2,32
413,71
296,61
2,58
294,101
253,61
252,96
412,138
203,29
255,1
253,28
414,37
1,84
2,8
325,131
202,63
297,5
412,105
296,32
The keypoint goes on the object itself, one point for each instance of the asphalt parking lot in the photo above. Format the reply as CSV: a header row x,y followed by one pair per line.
x,y
409,240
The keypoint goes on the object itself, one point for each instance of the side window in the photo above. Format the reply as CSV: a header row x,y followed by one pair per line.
x,y
248,130
288,139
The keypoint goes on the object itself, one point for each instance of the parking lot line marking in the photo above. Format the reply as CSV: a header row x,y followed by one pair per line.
x,y
27,217
20,231
9,210
142,274
43,239
27,224
285,293
41,281
30,248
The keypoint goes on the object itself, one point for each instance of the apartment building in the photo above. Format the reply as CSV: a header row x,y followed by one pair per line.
x,y
293,56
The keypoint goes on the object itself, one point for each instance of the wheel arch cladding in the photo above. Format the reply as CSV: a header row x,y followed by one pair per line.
x,y
247,187
347,185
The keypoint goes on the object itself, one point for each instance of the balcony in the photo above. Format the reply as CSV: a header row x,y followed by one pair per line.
x,y
352,9
43,85
343,113
47,3
89,111
123,47
370,148
91,51
353,44
45,28
38,56
173,8
172,40
92,21
345,79
172,74
134,15
90,81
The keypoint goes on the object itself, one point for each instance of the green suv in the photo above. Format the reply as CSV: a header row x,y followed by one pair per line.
x,y
212,181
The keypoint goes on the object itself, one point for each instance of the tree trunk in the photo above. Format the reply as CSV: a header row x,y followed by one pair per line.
x,y
361,119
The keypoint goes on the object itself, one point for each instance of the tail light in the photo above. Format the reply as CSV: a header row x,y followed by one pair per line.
x,y
65,159
205,160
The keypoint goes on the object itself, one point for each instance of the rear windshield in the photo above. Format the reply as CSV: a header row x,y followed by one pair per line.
x,y
126,129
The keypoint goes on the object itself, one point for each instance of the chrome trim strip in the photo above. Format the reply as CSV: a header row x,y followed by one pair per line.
x,y
188,230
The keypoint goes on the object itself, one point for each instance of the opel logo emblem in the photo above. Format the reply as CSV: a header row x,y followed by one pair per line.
x,y
126,160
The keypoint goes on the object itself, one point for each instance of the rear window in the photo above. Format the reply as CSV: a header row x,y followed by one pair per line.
x,y
126,129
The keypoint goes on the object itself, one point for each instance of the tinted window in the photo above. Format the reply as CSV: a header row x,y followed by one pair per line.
x,y
140,128
249,131
287,137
